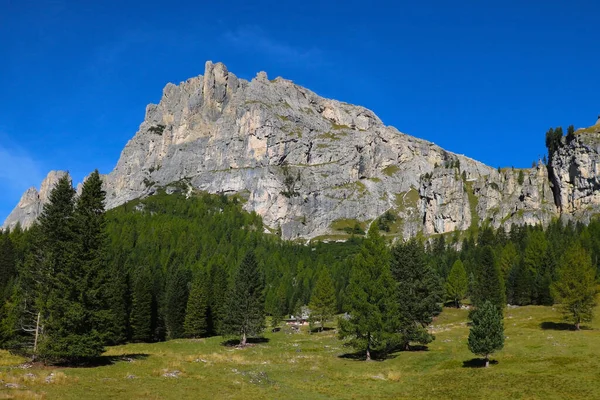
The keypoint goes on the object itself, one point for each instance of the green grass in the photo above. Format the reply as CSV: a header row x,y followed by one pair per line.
x,y
391,170
535,363
343,224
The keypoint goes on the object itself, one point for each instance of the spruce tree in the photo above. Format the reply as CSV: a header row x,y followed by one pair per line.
x,y
279,306
419,291
457,283
322,301
219,289
8,266
371,299
576,288
73,313
246,306
176,301
196,312
94,278
142,305
489,285
487,331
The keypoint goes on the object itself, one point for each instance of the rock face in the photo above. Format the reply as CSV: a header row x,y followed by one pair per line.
x,y
312,166
575,169
32,202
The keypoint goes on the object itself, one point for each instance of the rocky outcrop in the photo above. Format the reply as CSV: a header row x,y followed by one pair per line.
x,y
312,166
32,202
575,169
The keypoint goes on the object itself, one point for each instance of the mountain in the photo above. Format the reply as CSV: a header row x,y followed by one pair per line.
x,y
315,167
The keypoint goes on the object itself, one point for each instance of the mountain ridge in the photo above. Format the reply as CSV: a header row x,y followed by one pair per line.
x,y
312,166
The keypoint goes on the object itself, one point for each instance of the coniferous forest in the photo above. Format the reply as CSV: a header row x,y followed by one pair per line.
x,y
174,266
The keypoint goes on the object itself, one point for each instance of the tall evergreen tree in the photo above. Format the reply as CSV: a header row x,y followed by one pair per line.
x,y
279,306
246,306
457,283
490,286
94,278
71,323
176,301
576,286
419,291
142,305
8,267
487,331
196,312
371,299
322,301
219,289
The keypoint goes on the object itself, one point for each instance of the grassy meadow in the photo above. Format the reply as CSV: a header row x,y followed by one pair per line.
x,y
542,359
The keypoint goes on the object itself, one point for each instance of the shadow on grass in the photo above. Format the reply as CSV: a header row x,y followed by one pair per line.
x,y
249,341
319,330
361,356
477,363
103,361
557,326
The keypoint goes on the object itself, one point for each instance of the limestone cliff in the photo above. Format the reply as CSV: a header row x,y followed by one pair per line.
x,y
313,166
32,202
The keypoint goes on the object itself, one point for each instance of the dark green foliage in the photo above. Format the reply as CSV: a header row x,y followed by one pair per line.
x,y
323,302
576,286
8,260
157,129
142,305
386,220
289,182
490,286
371,300
570,133
246,303
73,313
487,331
93,276
176,301
419,291
553,141
521,177
196,311
457,283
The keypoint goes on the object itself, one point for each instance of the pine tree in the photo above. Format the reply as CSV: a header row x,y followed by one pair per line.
x,y
246,309
71,325
322,301
489,286
371,299
219,289
279,306
419,291
94,279
196,313
8,266
457,283
176,301
142,305
576,286
487,331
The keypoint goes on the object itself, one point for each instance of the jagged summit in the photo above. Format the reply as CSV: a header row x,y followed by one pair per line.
x,y
32,202
315,167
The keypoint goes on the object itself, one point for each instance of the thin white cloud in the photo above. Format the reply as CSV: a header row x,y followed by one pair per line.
x,y
252,38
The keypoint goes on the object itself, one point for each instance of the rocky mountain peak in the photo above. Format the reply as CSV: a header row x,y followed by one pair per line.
x,y
32,202
317,167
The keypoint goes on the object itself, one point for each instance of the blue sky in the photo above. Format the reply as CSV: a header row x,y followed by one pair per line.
x,y
485,79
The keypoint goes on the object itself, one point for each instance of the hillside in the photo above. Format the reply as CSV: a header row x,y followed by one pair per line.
x,y
313,167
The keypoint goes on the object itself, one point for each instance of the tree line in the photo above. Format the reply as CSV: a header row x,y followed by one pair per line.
x,y
169,267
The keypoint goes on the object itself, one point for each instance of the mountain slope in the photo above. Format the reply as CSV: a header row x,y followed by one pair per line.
x,y
313,166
